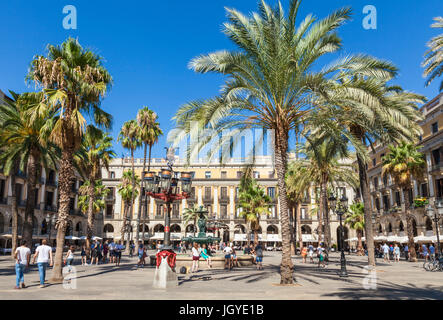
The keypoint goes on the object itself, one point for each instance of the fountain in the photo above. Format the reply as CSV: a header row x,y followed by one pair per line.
x,y
218,260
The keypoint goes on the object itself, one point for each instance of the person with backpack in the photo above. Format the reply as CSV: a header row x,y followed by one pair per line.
x,y
141,255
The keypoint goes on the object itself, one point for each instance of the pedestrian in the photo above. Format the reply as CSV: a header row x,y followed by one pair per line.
x,y
234,259
43,255
320,255
396,253
304,253
195,257
311,253
205,255
111,248
425,252
94,252
432,252
131,249
141,254
105,251
118,252
406,251
385,252
259,256
22,257
83,255
69,258
227,250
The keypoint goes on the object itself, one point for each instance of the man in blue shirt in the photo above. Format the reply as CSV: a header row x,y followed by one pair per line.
x,y
406,250
432,251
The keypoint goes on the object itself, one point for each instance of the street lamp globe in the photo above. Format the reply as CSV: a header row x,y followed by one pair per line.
x,y
439,206
332,202
165,180
430,212
186,182
150,181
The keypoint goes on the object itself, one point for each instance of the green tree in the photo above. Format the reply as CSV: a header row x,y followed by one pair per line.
x,y
130,139
25,142
74,82
98,203
149,133
270,81
355,219
129,192
402,162
433,62
95,152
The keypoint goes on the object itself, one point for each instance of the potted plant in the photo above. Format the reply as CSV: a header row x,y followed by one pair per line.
x,y
420,202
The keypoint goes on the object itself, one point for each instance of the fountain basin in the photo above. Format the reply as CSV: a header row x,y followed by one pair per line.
x,y
218,261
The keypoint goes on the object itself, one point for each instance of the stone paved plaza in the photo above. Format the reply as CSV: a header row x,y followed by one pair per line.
x,y
402,280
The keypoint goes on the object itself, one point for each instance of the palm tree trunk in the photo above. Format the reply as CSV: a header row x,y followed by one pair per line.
x,y
65,184
140,201
131,215
147,202
325,210
28,224
320,220
281,147
123,228
14,217
90,224
298,222
409,227
364,187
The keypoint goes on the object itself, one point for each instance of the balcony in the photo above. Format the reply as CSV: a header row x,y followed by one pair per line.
x,y
21,203
437,168
208,199
159,218
111,199
50,208
224,198
272,220
42,181
77,212
305,220
4,201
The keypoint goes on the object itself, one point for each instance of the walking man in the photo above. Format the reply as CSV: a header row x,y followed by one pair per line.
x,y
385,252
22,256
43,255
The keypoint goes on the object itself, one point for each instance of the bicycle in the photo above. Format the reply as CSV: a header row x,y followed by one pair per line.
x,y
433,265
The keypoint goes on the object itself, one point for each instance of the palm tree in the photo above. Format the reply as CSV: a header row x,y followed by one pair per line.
x,y
355,220
25,142
297,189
365,110
84,200
128,193
433,62
149,133
269,84
95,153
74,82
402,162
130,138
254,202
192,214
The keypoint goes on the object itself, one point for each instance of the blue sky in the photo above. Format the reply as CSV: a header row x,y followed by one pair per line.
x,y
148,44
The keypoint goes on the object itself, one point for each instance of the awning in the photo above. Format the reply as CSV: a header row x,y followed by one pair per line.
x,y
380,238
355,239
273,238
309,238
72,238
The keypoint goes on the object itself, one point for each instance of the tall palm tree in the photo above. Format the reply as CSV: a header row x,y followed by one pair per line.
x,y
366,110
149,133
130,139
270,81
402,162
95,152
433,62
254,202
192,214
297,188
25,141
128,193
74,82
355,219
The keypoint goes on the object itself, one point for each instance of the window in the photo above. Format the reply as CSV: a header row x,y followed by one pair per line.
x,y
112,175
341,191
271,192
303,213
374,161
434,127
223,174
386,202
271,174
207,192
159,210
109,210
208,174
376,183
239,174
224,192
424,190
377,203
175,209
256,175
223,211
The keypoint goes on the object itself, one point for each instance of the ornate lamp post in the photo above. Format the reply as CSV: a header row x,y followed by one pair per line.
x,y
164,186
340,209
435,216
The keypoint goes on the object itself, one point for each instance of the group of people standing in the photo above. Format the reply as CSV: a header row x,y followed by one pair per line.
x,y
309,251
99,252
